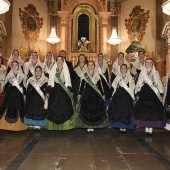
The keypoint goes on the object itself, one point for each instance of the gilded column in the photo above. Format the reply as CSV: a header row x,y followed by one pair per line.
x,y
63,29
167,54
166,35
103,30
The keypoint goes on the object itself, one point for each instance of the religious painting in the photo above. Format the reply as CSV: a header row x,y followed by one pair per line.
x,y
136,24
31,23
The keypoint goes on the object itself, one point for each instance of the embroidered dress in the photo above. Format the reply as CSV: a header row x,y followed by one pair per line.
x,y
35,113
121,108
149,110
91,110
12,105
61,107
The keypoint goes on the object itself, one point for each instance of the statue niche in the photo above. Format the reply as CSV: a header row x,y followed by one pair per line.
x,y
83,33
83,30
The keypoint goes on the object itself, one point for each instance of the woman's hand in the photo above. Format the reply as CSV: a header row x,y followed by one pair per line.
x,y
103,98
161,99
24,98
137,98
47,96
78,97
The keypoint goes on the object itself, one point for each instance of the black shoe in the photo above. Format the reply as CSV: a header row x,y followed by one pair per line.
x,y
120,131
146,133
150,134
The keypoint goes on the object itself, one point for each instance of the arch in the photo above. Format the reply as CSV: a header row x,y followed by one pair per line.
x,y
95,4
84,9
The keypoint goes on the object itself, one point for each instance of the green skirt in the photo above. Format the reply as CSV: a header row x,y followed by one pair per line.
x,y
68,125
80,124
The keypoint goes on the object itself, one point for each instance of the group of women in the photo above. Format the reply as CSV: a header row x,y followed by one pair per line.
x,y
54,96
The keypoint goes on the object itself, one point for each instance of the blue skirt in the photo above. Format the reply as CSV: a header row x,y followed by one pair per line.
x,y
35,122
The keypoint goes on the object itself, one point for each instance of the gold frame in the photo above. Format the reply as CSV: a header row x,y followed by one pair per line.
x,y
92,24
136,24
31,23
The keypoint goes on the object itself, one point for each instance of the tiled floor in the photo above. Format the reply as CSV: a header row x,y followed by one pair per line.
x,y
104,149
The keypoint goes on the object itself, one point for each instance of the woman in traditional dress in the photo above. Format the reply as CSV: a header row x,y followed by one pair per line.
x,y
2,74
61,106
48,63
166,100
15,56
79,69
12,105
31,64
104,75
138,65
121,108
149,93
116,65
91,108
35,110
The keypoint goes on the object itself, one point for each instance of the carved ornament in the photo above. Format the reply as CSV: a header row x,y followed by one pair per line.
x,y
31,23
136,24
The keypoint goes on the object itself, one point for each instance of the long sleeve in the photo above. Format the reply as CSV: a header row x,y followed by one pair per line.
x,y
107,76
8,70
6,86
99,85
139,84
83,82
23,87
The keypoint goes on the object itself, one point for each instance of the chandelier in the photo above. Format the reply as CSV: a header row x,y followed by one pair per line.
x,y
114,39
166,7
53,38
4,6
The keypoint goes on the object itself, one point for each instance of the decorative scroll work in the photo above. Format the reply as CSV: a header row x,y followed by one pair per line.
x,y
136,24
31,23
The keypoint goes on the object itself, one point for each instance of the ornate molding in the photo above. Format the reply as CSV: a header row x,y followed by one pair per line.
x,y
166,30
3,31
31,23
104,18
53,7
136,24
64,17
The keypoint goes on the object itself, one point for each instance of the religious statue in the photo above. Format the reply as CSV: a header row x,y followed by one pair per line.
x,y
83,44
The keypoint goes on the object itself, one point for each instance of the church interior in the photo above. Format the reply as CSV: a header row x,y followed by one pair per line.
x,y
86,27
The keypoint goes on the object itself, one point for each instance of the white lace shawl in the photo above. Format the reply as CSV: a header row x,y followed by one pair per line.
x,y
95,78
116,66
102,70
80,71
153,80
136,65
65,75
30,66
119,81
47,68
